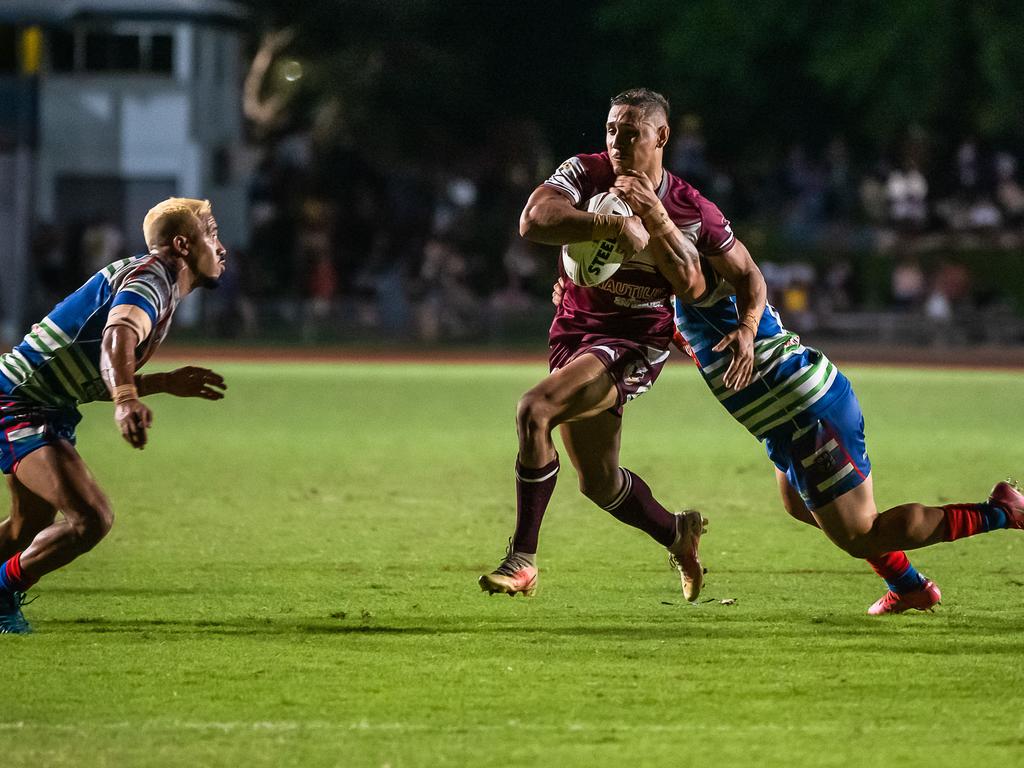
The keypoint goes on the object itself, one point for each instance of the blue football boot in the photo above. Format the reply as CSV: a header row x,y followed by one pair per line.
x,y
12,620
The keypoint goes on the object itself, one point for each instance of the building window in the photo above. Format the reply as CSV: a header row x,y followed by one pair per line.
x,y
136,49
8,49
118,53
161,54
62,49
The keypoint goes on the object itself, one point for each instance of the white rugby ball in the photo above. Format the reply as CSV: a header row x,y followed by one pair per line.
x,y
592,262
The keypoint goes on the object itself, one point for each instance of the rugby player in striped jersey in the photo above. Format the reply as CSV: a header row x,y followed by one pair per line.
x,y
805,411
89,348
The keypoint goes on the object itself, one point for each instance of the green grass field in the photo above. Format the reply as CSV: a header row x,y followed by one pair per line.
x,y
292,581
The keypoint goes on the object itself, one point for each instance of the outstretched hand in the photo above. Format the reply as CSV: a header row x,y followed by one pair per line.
x,y
741,344
192,381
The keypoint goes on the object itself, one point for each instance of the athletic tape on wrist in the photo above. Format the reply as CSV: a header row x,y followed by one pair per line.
x,y
660,227
124,392
657,222
607,225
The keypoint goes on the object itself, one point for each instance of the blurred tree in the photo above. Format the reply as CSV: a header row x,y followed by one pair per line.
x,y
765,74
421,81
417,79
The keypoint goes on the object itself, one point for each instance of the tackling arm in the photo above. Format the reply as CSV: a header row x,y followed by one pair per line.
x,y
738,268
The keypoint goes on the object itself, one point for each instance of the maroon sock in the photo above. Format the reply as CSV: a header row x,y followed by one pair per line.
x,y
635,505
533,492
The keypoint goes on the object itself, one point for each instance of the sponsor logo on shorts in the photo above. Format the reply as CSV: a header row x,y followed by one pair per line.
x,y
635,373
825,462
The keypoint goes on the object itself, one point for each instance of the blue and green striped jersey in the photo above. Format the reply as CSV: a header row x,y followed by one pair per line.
x,y
57,363
791,382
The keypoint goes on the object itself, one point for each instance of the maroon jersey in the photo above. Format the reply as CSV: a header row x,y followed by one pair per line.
x,y
635,302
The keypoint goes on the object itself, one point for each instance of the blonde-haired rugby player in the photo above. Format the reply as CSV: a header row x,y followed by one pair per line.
x,y
89,348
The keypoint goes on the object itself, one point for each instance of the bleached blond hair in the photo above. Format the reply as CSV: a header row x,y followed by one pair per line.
x,y
175,216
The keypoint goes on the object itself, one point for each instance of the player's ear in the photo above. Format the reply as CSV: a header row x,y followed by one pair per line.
x,y
662,135
180,243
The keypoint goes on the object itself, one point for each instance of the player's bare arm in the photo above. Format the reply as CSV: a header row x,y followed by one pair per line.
x,y
739,270
189,381
603,355
117,366
674,254
550,218
136,306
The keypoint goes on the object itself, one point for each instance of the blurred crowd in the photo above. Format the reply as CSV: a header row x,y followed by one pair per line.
x,y
346,246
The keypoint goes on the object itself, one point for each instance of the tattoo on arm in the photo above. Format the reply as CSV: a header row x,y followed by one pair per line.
x,y
688,251
683,251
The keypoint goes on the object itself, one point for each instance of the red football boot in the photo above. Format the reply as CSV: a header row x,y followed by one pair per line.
x,y
1008,497
515,576
923,599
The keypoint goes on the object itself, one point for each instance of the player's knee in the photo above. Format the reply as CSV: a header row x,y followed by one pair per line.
x,y
533,416
103,520
93,523
860,545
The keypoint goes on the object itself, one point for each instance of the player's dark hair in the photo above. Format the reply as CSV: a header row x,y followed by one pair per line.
x,y
644,98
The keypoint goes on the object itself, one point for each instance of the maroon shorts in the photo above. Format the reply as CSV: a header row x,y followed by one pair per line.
x,y
633,367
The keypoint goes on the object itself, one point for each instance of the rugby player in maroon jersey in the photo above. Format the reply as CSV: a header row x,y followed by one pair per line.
x,y
608,343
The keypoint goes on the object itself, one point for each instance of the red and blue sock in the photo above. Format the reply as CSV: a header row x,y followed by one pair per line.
x,y
11,577
963,520
899,574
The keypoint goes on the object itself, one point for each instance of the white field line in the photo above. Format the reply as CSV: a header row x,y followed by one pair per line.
x,y
285,726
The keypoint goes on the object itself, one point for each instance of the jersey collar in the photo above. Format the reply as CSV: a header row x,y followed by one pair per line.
x,y
663,187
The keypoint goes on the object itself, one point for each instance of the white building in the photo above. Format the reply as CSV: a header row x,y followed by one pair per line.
x,y
125,104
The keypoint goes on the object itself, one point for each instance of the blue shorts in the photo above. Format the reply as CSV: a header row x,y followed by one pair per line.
x,y
26,426
827,457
